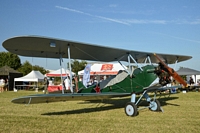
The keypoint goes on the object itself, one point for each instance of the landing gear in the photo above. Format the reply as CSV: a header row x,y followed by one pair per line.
x,y
131,109
154,105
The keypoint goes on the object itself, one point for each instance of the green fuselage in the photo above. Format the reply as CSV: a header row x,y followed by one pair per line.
x,y
135,83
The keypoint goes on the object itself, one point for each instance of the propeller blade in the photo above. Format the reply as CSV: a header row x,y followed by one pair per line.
x,y
172,72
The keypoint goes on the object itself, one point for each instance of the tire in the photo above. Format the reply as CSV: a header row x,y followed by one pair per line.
x,y
155,105
130,109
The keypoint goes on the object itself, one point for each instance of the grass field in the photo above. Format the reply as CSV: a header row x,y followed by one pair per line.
x,y
181,114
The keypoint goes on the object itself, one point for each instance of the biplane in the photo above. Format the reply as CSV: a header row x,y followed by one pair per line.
x,y
152,75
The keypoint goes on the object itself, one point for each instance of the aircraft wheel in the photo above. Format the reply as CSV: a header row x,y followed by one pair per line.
x,y
131,109
155,105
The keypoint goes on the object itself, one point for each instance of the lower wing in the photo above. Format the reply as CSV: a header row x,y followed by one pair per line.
x,y
47,98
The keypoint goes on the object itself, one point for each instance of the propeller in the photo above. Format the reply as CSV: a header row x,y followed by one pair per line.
x,y
171,72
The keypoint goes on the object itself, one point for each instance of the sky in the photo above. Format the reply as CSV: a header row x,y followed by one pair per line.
x,y
160,26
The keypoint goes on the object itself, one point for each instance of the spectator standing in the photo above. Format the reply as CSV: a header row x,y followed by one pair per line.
x,y
1,85
6,84
191,81
67,83
46,84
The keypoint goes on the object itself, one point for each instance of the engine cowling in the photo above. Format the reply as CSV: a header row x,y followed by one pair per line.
x,y
163,74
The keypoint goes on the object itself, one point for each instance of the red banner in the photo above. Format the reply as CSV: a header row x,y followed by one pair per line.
x,y
107,67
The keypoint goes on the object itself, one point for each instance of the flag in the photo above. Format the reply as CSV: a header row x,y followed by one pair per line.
x,y
86,75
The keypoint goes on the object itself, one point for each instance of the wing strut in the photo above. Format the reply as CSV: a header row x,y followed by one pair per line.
x,y
135,61
130,72
130,68
129,64
148,59
70,69
61,60
175,64
124,67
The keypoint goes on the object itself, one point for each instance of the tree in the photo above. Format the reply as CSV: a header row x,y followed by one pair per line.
x,y
77,65
9,59
41,69
26,68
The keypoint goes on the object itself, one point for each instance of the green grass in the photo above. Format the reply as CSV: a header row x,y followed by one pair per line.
x,y
181,114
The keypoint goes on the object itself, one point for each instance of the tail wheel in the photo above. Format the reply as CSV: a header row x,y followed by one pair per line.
x,y
155,105
131,109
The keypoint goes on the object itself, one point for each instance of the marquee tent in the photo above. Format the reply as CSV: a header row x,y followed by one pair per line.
x,y
104,69
57,73
33,76
188,71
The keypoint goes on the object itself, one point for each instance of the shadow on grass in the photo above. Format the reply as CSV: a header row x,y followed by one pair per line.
x,y
164,101
97,106
110,104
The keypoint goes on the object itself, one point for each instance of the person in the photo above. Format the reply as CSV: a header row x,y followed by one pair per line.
x,y
2,84
6,84
46,84
191,81
95,81
173,83
67,83
76,83
90,83
173,89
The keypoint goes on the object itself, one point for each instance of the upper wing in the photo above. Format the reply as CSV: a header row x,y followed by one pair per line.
x,y
34,46
47,98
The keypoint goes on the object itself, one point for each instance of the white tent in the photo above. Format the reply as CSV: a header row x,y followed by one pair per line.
x,y
33,76
187,71
190,73
104,69
57,73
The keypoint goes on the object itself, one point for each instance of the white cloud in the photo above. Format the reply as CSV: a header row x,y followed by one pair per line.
x,y
101,17
72,10
183,21
133,21
113,20
180,38
185,39
137,21
197,21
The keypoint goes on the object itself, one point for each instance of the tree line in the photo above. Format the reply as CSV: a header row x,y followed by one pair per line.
x,y
13,61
